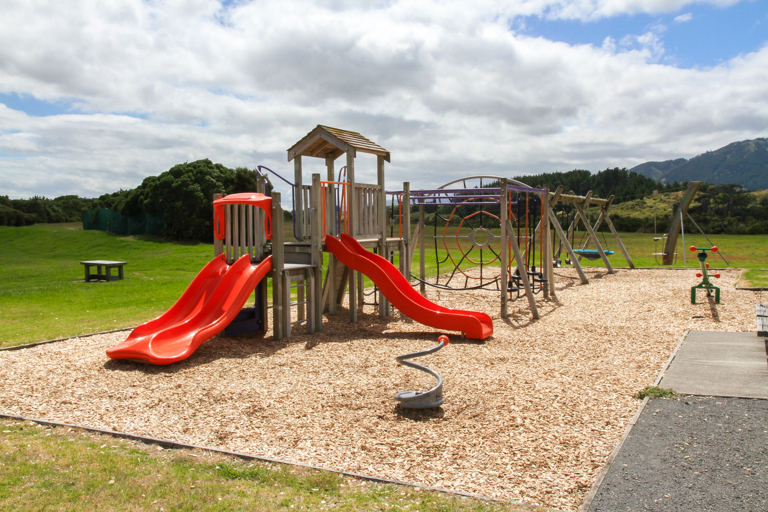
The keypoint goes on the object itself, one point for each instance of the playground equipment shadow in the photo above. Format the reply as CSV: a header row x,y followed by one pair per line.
x,y
248,346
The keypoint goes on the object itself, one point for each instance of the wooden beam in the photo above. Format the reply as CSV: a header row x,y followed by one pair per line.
x,y
316,291
503,256
309,139
298,200
353,216
405,210
347,148
329,292
671,246
618,241
549,284
278,263
422,270
384,309
568,248
523,274
580,212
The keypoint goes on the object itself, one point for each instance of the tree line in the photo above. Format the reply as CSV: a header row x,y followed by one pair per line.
x,y
183,193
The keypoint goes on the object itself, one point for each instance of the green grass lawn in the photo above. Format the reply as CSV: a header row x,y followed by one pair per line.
x,y
42,288
56,468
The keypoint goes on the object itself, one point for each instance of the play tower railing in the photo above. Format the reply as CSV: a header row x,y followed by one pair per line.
x,y
334,213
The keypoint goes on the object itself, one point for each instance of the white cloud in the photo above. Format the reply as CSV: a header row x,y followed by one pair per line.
x,y
683,18
445,86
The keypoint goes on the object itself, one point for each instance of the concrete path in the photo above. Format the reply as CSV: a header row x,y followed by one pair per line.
x,y
702,452
710,363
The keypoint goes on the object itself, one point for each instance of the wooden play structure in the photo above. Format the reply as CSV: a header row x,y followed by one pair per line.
x,y
344,222
322,208
342,205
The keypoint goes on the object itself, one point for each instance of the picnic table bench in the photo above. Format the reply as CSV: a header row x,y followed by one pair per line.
x,y
107,274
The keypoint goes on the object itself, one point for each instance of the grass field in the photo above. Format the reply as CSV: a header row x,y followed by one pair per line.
x,y
44,468
44,296
42,286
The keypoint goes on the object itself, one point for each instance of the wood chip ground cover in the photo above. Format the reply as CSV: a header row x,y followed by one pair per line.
x,y
530,415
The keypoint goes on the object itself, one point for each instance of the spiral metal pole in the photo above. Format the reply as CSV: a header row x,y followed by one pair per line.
x,y
422,399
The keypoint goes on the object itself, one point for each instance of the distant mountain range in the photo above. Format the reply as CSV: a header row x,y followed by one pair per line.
x,y
744,163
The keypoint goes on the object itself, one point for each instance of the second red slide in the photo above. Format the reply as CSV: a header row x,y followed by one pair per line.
x,y
209,304
400,293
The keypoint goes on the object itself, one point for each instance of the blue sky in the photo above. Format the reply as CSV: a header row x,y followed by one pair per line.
x,y
695,36
95,97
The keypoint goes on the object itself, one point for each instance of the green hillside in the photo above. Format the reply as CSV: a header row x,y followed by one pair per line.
x,y
742,163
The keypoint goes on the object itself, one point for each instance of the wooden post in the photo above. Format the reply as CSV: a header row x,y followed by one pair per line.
x,y
261,241
546,238
384,309
503,198
218,243
592,236
278,264
523,273
422,270
671,246
568,248
298,200
316,290
406,213
353,216
330,207
615,233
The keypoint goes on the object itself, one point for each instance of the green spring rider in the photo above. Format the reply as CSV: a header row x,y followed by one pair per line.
x,y
705,284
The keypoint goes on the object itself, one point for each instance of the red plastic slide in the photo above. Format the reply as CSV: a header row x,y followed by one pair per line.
x,y
209,304
401,294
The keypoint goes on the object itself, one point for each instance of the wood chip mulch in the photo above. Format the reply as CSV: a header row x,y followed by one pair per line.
x,y
530,415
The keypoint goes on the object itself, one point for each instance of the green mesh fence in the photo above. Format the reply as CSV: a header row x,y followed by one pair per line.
x,y
137,224
115,222
155,223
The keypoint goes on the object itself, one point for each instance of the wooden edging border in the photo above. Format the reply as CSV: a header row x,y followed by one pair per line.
x,y
166,443
609,462
35,344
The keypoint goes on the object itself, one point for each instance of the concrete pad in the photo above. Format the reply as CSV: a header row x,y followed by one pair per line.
x,y
711,363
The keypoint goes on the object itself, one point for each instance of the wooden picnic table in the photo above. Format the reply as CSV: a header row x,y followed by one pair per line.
x,y
106,275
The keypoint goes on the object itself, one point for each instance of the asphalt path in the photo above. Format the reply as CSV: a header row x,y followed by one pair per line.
x,y
692,454
706,450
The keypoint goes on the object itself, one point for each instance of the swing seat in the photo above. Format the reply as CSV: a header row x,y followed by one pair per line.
x,y
591,254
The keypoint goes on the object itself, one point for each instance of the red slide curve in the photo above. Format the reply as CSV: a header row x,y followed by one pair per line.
x,y
209,304
401,294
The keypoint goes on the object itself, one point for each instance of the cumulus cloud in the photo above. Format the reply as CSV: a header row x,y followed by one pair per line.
x,y
446,86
